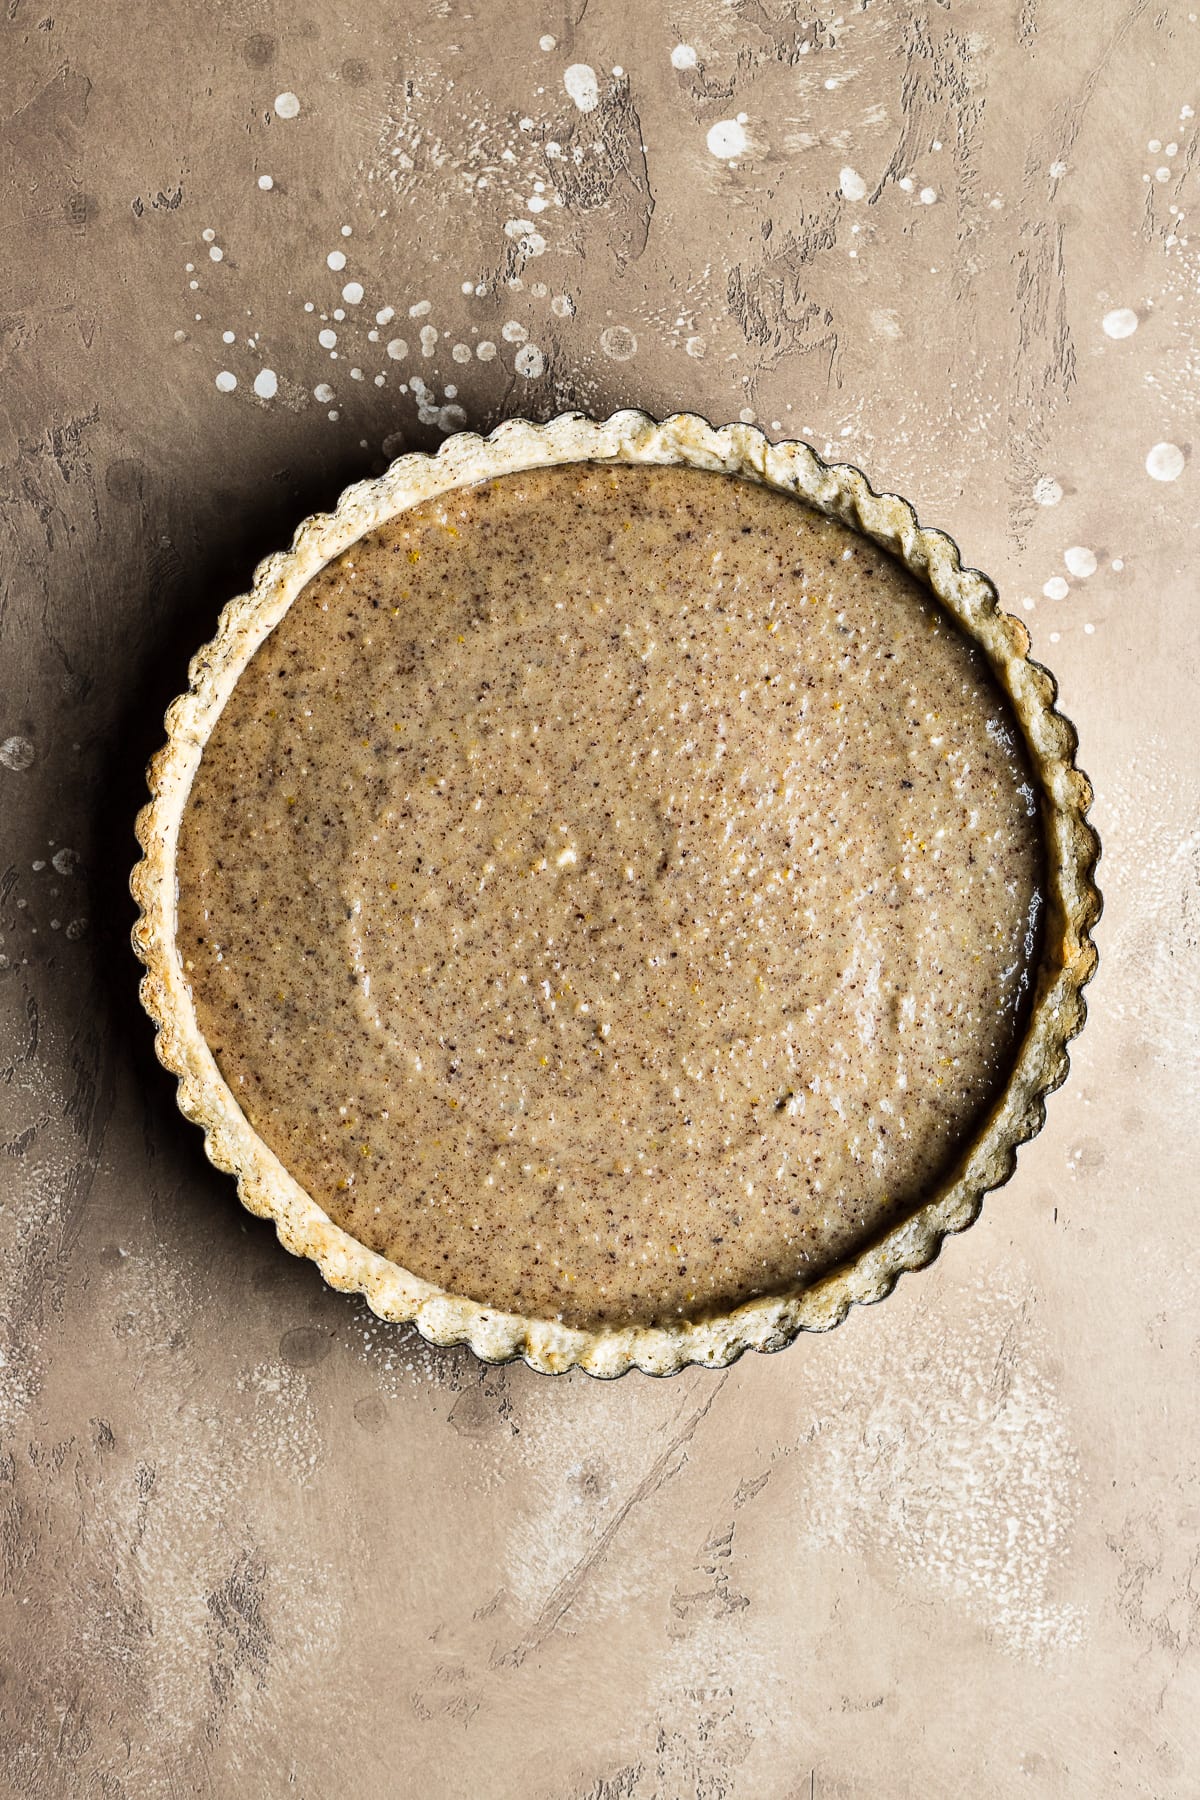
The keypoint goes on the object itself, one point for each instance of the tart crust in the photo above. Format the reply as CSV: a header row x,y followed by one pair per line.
x,y
1067,960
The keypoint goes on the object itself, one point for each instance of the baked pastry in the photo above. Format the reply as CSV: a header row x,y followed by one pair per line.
x,y
616,893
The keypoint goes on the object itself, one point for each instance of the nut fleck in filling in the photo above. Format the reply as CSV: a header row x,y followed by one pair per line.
x,y
612,892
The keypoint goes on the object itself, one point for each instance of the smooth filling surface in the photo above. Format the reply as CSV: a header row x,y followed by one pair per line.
x,y
613,892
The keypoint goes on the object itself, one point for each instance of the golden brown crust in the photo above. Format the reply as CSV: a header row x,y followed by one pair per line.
x,y
1068,956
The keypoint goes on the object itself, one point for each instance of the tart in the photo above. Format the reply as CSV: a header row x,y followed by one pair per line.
x,y
616,893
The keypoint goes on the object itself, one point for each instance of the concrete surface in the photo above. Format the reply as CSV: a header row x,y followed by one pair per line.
x,y
251,1541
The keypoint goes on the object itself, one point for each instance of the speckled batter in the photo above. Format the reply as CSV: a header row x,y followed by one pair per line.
x,y
612,891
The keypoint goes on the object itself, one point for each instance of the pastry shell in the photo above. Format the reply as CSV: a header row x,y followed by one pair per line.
x,y
1068,956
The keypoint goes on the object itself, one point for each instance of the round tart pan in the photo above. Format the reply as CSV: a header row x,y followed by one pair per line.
x,y
1068,956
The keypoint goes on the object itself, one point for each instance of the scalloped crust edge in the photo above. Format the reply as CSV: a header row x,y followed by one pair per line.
x,y
1068,960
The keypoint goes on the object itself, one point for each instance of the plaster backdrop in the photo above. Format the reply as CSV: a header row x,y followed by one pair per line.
x,y
252,1542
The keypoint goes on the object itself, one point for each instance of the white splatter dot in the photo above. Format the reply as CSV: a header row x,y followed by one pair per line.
x,y
485,350
336,259
266,183
216,253
65,861
385,315
1163,174
747,415
287,105
429,339
227,337
537,203
461,353
1080,561
927,196
696,346
16,753
1047,491
327,338
562,306
1057,170
323,392
1118,564
208,234
683,56
530,362
334,415
266,384
852,184
1056,588
1165,462
397,349
727,139
513,332
226,381
580,82
352,293
618,343
419,308
1122,322
347,231
547,43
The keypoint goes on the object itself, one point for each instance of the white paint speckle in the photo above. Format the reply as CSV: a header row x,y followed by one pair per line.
x,y
287,105
1056,588
683,56
927,196
16,753
1165,462
266,384
226,381
580,82
618,343
530,362
352,293
852,184
429,339
485,350
397,349
696,346
513,332
216,253
336,259
420,309
227,337
547,43
208,234
385,315
323,392
1122,322
461,353
1080,561
327,338
562,306
1047,491
266,183
727,139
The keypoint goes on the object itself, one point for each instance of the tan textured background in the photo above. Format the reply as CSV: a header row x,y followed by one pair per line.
x,y
254,1543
